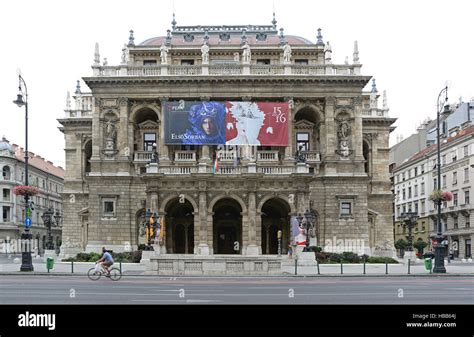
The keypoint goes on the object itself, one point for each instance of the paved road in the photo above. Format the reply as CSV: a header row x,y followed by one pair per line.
x,y
187,290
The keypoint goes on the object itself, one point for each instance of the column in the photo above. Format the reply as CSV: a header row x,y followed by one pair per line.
x,y
252,248
123,145
357,134
203,247
163,148
289,148
330,128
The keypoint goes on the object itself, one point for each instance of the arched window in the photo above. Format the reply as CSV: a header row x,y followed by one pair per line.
x,y
6,173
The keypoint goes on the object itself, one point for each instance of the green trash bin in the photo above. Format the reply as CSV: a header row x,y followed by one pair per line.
x,y
428,263
49,263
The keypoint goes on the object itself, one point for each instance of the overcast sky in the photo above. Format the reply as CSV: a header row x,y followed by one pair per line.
x,y
410,47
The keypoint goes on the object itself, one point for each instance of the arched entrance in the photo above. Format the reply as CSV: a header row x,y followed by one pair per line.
x,y
227,227
179,227
275,217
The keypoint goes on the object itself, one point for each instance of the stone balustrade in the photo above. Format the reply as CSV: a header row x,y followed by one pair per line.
x,y
268,156
185,156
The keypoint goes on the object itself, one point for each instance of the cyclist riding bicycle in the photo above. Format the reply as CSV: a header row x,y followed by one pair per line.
x,y
106,261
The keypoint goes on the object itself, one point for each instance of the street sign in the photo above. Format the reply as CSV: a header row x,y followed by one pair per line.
x,y
28,222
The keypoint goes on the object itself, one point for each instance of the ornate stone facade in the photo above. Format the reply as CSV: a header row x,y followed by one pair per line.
x,y
112,180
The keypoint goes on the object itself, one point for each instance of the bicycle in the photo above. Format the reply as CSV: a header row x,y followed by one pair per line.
x,y
115,274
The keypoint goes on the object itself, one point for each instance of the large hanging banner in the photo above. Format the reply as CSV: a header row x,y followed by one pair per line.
x,y
226,123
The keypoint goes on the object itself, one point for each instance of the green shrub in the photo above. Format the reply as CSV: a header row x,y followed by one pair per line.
x,y
381,259
142,246
350,257
401,244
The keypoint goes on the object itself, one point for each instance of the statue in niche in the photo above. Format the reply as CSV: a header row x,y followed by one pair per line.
x,y
110,135
343,135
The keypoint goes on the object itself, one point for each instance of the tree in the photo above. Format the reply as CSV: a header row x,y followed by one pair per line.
x,y
420,245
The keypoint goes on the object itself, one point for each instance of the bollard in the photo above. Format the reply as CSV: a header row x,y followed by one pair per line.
x,y
120,265
364,267
296,266
72,267
386,268
342,272
408,266
317,265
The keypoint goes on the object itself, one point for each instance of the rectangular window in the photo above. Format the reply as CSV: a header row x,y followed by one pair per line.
x,y
455,178
416,207
149,63
444,181
466,150
409,192
422,211
422,188
466,174
301,61
6,214
346,208
109,206
6,194
416,171
187,62
466,198
403,194
467,224
263,61
443,160
455,199
422,168
404,209
454,156
148,140
302,139
415,190
455,223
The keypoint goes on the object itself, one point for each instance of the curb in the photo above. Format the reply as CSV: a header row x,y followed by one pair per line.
x,y
240,276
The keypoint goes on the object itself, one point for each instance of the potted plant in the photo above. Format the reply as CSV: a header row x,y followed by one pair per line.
x,y
25,190
400,245
437,195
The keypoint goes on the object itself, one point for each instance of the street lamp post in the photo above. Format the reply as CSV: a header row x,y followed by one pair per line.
x,y
439,254
26,236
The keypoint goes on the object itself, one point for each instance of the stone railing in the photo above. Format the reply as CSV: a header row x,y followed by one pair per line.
x,y
144,71
312,156
185,156
185,70
227,155
231,170
178,170
264,69
143,156
267,156
302,69
379,113
78,113
225,69
276,170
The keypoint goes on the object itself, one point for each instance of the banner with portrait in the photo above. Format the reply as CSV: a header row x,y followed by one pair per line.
x,y
226,123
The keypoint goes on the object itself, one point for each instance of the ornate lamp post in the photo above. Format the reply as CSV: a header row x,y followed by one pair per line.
x,y
48,221
439,254
409,221
309,218
26,236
